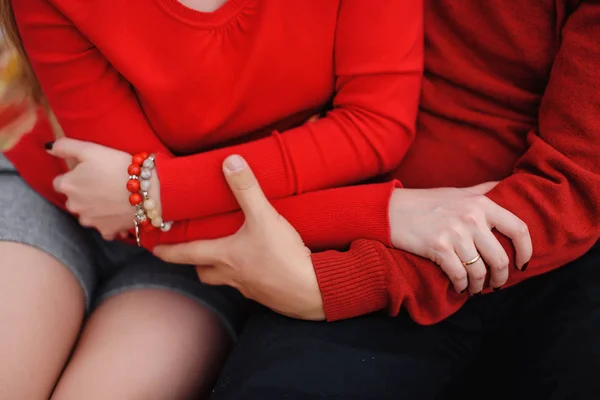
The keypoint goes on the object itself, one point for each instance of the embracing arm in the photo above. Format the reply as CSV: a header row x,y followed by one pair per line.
x,y
555,190
327,219
378,68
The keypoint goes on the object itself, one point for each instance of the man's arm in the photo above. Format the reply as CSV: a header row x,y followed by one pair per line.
x,y
555,189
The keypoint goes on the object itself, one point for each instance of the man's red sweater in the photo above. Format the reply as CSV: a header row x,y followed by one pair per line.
x,y
509,94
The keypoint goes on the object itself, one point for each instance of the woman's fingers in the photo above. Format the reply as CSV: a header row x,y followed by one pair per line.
x,y
515,229
455,270
472,262
494,256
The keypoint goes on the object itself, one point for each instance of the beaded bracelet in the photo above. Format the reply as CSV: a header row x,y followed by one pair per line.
x,y
146,216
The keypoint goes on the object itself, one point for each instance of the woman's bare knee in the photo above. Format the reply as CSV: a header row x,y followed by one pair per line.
x,y
146,344
41,309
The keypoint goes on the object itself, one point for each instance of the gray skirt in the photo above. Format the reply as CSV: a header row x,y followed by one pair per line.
x,y
103,268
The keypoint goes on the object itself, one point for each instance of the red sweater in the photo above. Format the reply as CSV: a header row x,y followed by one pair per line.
x,y
509,94
242,75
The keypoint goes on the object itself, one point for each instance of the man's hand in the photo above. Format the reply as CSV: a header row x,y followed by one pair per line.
x,y
265,260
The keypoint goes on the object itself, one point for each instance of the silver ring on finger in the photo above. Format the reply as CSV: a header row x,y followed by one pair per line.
x,y
472,261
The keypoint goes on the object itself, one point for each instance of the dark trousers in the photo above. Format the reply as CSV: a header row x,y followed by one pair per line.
x,y
537,340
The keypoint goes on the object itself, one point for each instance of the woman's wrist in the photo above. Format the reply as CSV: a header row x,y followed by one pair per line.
x,y
141,185
154,192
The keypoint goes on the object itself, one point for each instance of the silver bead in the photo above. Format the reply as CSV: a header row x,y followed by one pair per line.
x,y
166,226
146,173
145,185
140,212
148,163
134,177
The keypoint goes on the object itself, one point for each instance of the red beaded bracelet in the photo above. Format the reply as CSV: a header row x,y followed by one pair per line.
x,y
146,218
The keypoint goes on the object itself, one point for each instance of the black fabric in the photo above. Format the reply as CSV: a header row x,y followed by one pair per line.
x,y
537,340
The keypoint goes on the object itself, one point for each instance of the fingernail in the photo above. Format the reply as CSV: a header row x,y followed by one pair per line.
x,y
235,163
49,145
525,266
477,294
497,288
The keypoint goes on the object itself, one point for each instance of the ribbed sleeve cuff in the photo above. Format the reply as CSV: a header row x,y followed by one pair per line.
x,y
352,283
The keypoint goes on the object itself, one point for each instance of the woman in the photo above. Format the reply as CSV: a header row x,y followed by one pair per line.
x,y
206,75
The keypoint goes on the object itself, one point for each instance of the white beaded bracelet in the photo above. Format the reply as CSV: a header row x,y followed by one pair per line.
x,y
149,205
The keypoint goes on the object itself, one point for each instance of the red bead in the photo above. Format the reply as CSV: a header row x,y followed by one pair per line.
x,y
144,223
133,185
144,155
138,159
134,170
135,199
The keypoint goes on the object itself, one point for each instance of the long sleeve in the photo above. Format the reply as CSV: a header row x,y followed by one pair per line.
x,y
90,98
327,219
378,70
555,189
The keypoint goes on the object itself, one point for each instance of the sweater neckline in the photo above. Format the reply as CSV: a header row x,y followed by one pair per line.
x,y
200,18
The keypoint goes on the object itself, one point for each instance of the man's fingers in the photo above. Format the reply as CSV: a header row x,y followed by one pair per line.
x,y
515,229
210,275
200,252
71,149
246,189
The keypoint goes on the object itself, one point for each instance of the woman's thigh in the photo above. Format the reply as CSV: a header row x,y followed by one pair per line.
x,y
146,344
156,333
42,300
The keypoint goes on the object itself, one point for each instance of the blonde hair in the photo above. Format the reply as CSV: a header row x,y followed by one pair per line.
x,y
25,78
19,84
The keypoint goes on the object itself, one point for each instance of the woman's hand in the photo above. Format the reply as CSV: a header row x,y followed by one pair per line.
x,y
96,186
265,260
452,227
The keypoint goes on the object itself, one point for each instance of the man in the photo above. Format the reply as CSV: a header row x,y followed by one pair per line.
x,y
510,95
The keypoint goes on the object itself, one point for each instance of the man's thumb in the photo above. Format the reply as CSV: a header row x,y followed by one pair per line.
x,y
245,188
200,252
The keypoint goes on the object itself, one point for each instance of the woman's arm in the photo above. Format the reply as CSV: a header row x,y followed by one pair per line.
x,y
378,67
378,59
327,219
